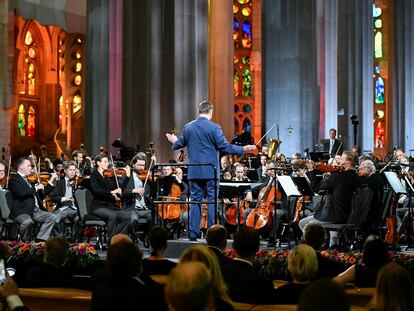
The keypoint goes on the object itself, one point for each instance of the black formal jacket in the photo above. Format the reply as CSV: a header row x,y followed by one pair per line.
x,y
58,193
126,293
47,275
222,259
327,268
337,145
340,187
246,285
23,201
129,197
101,188
289,294
375,182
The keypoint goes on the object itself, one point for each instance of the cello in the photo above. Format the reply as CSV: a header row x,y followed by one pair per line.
x,y
170,211
261,217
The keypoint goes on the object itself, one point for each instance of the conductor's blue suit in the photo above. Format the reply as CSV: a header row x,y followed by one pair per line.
x,y
204,140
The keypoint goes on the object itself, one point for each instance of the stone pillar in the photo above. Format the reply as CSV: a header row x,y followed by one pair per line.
x,y
403,75
6,78
290,79
220,64
165,69
355,70
327,45
97,75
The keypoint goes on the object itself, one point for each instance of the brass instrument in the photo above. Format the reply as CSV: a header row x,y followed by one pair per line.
x,y
273,146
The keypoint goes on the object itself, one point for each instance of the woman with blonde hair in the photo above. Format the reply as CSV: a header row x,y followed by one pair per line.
x,y
220,292
394,290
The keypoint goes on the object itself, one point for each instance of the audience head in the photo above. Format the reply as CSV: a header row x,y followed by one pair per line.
x,y
189,287
217,236
124,259
56,251
208,258
205,108
323,295
120,237
394,290
375,253
303,263
314,235
246,242
158,237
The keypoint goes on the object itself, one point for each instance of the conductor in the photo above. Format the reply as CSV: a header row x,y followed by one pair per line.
x,y
204,140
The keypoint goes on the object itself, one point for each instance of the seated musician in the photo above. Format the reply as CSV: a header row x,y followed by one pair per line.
x,y
281,213
261,171
166,183
136,196
340,187
66,205
83,168
27,205
184,196
225,166
240,173
107,196
403,200
3,177
374,180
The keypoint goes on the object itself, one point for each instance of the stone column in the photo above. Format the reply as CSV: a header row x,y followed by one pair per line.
x,y
290,79
403,75
220,64
355,70
97,75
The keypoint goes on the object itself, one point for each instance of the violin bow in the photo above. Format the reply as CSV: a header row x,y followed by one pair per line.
x,y
8,171
274,124
114,169
149,170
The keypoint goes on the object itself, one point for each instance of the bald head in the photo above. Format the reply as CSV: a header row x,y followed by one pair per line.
x,y
217,236
120,238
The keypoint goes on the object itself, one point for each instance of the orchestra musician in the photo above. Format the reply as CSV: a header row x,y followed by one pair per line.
x,y
66,205
136,197
3,174
261,170
340,187
204,140
333,145
184,196
83,164
106,196
403,200
240,173
27,205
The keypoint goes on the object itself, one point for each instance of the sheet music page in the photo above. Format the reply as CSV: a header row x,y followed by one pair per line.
x,y
288,186
395,182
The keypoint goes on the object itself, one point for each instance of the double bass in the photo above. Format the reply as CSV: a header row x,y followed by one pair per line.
x,y
261,217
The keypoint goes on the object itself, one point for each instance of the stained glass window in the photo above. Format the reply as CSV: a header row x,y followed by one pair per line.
x,y
247,82
379,91
247,126
77,103
379,134
246,35
236,79
31,122
378,44
21,122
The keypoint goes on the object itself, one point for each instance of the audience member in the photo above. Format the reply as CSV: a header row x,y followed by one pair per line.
x,y
189,287
125,290
314,236
302,265
375,255
394,290
156,263
52,272
10,292
217,242
244,282
323,295
220,297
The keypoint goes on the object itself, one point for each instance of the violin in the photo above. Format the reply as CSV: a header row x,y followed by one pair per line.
x,y
109,173
327,168
142,174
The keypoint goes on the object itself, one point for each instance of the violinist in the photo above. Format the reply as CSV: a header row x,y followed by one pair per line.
x,y
27,206
136,197
403,200
369,176
339,187
332,145
106,195
83,163
66,205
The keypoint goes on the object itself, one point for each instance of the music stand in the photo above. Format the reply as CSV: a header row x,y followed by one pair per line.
x,y
319,156
291,190
235,189
395,182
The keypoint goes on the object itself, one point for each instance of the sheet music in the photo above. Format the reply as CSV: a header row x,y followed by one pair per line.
x,y
288,186
395,182
240,184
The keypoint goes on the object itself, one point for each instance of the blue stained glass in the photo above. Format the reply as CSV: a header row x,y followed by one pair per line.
x,y
379,91
377,69
247,126
376,11
236,24
236,108
247,29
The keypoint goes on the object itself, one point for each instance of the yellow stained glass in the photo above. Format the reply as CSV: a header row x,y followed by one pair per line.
x,y
77,103
235,59
78,80
380,114
78,67
78,54
243,1
31,67
32,53
79,40
378,45
235,8
28,40
21,122
246,11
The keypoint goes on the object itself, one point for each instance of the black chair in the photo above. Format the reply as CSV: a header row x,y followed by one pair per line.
x,y
96,225
7,224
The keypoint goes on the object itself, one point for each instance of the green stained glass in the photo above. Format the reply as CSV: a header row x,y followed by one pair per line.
x,y
376,11
247,108
21,121
378,23
246,60
247,82
378,45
